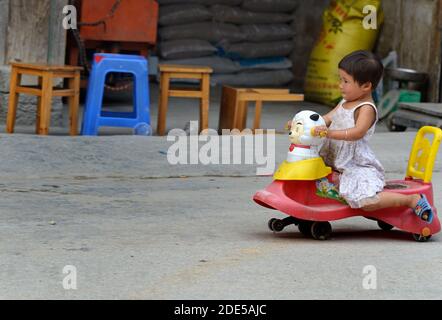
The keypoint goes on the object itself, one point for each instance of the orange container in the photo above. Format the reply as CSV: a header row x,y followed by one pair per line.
x,y
133,21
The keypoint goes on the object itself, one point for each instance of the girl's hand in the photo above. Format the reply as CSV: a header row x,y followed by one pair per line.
x,y
320,131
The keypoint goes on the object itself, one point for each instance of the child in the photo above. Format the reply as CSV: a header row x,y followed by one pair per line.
x,y
360,176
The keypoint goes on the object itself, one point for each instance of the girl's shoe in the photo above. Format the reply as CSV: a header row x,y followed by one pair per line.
x,y
423,209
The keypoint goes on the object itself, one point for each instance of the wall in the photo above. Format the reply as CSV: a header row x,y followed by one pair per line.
x,y
30,31
4,15
26,25
412,28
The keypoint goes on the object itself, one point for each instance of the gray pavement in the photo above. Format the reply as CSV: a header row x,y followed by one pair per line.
x,y
136,227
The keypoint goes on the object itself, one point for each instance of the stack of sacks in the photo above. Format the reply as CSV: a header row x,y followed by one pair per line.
x,y
246,42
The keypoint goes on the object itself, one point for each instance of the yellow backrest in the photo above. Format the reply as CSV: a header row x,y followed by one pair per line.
x,y
423,154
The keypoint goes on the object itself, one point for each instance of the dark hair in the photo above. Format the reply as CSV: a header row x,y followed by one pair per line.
x,y
364,66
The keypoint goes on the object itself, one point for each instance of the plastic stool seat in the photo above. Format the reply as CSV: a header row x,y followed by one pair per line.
x,y
94,117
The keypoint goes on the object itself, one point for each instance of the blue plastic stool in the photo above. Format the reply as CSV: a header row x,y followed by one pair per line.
x,y
94,117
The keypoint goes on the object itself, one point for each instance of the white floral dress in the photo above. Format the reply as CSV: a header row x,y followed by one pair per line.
x,y
360,175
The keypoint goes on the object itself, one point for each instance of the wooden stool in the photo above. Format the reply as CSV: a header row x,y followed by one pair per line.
x,y
169,72
44,91
234,102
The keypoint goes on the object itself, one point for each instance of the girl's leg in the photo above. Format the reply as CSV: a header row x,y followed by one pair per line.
x,y
391,199
418,203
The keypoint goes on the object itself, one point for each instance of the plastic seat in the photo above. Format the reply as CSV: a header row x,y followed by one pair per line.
x,y
94,117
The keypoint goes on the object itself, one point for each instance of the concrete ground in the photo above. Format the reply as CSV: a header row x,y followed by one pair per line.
x,y
136,227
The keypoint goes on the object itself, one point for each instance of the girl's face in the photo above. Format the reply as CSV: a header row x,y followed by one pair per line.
x,y
350,89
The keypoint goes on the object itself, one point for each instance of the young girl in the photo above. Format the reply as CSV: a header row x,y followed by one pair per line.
x,y
359,175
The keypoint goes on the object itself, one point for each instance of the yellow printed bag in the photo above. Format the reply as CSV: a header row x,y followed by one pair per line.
x,y
347,26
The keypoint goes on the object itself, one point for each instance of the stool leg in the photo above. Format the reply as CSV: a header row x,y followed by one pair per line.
x,y
94,100
142,96
46,104
13,100
204,106
241,120
257,121
74,102
236,105
38,112
164,100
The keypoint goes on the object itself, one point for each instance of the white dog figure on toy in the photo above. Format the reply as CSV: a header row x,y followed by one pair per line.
x,y
303,144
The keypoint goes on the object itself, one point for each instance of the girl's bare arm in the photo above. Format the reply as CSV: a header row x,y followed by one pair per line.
x,y
366,118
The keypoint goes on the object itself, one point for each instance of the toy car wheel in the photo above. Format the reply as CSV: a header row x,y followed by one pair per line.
x,y
384,226
321,230
421,238
269,224
277,225
305,227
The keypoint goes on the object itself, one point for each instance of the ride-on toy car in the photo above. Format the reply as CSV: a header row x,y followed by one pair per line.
x,y
294,192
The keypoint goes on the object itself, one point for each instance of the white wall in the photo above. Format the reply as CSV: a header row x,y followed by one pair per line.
x,y
4,14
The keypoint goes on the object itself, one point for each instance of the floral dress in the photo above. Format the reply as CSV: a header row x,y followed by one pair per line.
x,y
360,175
